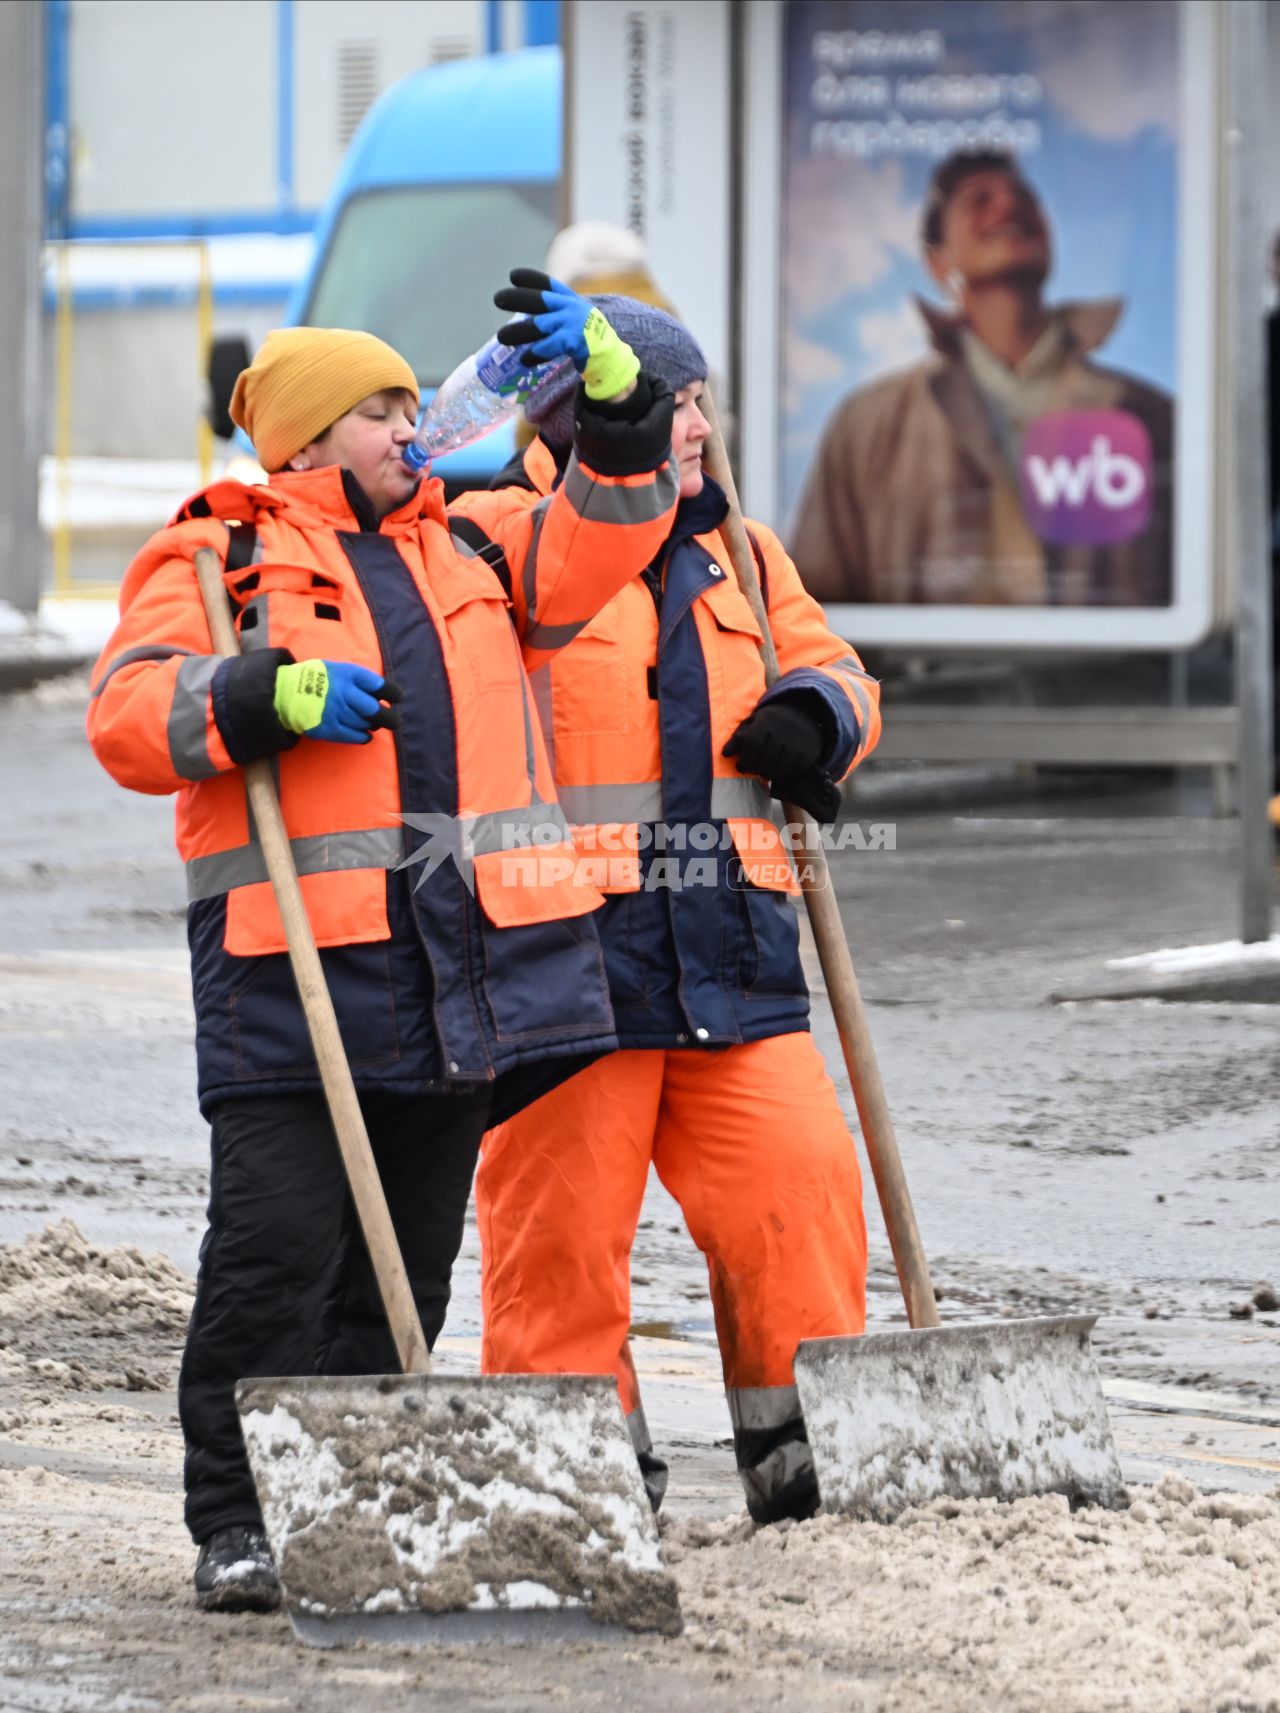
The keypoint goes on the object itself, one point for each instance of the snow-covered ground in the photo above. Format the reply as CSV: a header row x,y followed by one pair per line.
x,y
1187,960
66,625
110,506
1101,1158
82,622
127,493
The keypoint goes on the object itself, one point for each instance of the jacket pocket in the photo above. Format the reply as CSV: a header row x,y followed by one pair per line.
x,y
545,982
591,681
477,622
540,883
730,608
268,1027
609,855
345,907
765,860
762,941
632,950
293,607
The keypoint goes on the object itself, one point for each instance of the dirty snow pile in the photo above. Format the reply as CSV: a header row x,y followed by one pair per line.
x,y
75,1315
1171,1606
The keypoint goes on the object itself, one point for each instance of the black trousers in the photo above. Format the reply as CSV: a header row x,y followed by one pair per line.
x,y
285,1285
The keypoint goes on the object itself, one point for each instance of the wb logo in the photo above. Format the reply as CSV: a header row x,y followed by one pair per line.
x,y
1086,477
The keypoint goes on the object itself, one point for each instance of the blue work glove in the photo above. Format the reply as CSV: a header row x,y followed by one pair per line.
x,y
561,323
334,700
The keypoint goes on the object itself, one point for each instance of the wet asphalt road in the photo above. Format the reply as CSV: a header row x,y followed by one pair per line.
x,y
1121,1156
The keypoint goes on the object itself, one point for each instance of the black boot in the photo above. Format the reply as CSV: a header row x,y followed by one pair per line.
x,y
796,1498
235,1572
653,1472
779,1481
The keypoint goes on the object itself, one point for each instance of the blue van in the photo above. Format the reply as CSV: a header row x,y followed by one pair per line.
x,y
452,179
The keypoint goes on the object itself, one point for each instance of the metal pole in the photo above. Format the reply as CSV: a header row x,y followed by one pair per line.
x,y
568,103
64,392
1245,38
21,155
204,342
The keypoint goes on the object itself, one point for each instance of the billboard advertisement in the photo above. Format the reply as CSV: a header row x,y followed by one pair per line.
x,y
993,276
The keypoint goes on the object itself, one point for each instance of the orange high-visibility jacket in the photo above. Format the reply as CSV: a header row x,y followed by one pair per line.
x,y
404,599
636,713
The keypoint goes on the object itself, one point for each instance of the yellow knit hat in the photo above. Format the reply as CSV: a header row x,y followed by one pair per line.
x,y
303,379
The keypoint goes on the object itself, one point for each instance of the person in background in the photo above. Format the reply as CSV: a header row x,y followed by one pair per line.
x,y
914,494
602,260
458,999
589,257
595,258
666,748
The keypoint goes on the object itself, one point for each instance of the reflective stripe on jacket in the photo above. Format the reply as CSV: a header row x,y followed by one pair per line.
x,y
700,940
482,968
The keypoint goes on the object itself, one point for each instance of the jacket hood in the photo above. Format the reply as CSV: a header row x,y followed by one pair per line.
x,y
332,496
329,496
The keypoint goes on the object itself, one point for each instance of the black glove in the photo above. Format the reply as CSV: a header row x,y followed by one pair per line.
x,y
779,740
783,742
813,792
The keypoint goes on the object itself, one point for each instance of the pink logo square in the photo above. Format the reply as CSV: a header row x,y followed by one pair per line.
x,y
1086,477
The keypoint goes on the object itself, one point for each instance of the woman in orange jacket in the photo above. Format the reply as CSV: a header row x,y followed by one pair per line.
x,y
666,749
459,995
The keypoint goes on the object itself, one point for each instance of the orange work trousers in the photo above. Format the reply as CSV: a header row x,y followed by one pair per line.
x,y
751,1142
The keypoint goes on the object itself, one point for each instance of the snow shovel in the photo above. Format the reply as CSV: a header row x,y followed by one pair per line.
x,y
419,1507
995,1409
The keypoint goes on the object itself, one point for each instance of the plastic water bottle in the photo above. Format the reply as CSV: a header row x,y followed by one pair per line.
x,y
484,391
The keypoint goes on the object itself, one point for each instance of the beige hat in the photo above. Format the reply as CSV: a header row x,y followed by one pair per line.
x,y
601,260
303,379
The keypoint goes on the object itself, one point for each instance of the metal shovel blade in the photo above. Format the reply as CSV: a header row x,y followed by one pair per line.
x,y
996,1409
443,1508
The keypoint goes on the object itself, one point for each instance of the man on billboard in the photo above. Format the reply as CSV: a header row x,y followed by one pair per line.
x,y
1007,467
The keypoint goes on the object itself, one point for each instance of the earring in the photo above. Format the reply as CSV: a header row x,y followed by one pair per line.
x,y
955,285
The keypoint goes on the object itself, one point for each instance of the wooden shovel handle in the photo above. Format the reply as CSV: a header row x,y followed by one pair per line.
x,y
335,1073
833,948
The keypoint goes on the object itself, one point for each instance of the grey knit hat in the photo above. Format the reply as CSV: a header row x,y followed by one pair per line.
x,y
664,346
